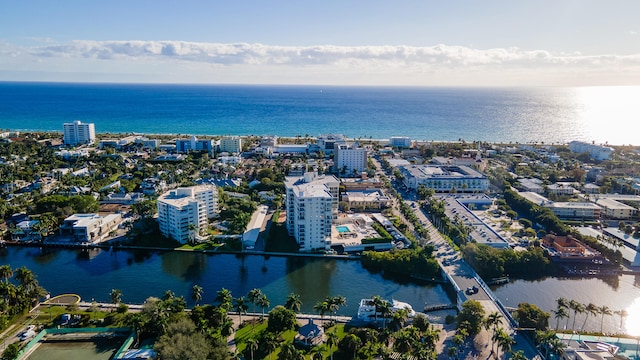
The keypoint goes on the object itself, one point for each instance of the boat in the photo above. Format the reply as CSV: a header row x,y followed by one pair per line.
x,y
367,309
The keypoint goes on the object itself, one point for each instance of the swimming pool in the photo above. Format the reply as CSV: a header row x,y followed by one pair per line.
x,y
343,229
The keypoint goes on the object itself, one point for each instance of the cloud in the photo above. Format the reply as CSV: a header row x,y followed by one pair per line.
x,y
244,62
259,54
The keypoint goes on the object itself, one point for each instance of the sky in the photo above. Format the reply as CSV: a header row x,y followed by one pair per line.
x,y
330,42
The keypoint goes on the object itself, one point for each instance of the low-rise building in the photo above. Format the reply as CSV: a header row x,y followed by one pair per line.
x,y
366,199
616,210
575,210
598,152
90,227
444,178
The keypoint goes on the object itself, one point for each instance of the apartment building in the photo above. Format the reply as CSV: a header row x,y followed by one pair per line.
x,y
312,206
77,132
183,212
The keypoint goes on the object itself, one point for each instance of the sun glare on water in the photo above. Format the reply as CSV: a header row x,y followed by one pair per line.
x,y
609,114
632,321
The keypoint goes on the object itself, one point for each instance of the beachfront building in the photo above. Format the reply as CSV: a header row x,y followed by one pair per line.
x,y
444,178
312,206
598,152
328,143
183,212
532,185
90,227
400,142
77,133
231,144
194,144
349,159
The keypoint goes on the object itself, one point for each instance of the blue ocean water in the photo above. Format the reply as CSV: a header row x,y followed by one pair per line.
x,y
550,115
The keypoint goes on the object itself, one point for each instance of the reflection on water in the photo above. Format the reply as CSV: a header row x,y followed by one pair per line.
x,y
310,278
184,266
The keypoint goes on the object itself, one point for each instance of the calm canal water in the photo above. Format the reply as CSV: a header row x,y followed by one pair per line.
x,y
616,292
140,274
92,274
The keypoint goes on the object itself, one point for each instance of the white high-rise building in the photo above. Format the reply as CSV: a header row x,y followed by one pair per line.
x,y
79,133
312,206
349,160
231,144
179,208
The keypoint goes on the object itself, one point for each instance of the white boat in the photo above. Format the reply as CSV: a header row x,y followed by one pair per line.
x,y
367,309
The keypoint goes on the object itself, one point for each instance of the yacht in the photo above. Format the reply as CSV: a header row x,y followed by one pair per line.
x,y
367,309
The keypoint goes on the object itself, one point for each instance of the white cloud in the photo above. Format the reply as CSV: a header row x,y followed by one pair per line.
x,y
381,64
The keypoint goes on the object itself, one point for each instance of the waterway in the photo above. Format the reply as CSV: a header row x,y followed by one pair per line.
x,y
140,274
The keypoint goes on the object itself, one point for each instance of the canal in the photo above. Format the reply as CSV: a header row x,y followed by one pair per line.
x,y
140,274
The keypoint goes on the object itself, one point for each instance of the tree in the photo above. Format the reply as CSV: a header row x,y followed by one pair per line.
x,y
252,346
281,319
293,302
321,307
473,312
577,308
335,302
240,306
491,323
182,341
116,296
196,293
263,303
603,310
531,316
332,339
11,351
504,341
6,272
558,314
253,296
224,299
590,309
269,343
351,343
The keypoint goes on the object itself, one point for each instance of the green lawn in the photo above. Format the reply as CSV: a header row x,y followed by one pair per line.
x,y
245,333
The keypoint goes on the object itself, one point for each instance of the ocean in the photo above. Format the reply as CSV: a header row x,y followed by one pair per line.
x,y
522,115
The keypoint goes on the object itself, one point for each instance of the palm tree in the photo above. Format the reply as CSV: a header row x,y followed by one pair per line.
x,y
270,343
316,353
252,346
556,345
404,342
562,303
590,309
240,305
353,343
504,341
377,301
400,318
385,311
224,298
263,303
332,339
604,310
116,296
6,273
577,308
293,302
321,307
196,293
287,351
226,329
253,296
452,351
623,314
560,313
26,278
491,322
518,355
336,302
